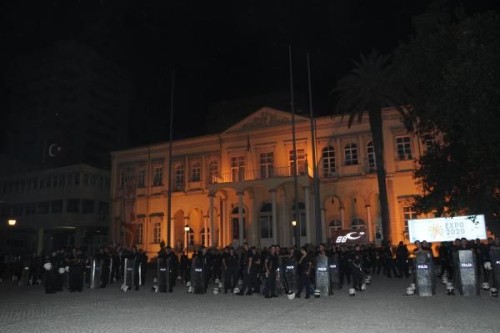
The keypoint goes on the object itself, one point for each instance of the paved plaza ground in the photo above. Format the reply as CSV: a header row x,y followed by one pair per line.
x,y
382,308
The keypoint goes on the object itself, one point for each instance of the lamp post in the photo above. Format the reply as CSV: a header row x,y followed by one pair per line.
x,y
186,230
294,226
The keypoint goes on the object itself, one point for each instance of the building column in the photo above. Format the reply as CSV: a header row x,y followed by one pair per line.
x,y
308,215
369,223
275,216
205,226
240,217
323,225
211,214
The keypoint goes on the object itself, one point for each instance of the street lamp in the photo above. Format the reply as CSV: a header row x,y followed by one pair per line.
x,y
12,222
294,226
186,230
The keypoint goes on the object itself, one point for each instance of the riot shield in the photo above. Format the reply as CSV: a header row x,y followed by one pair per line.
x,y
280,288
290,275
163,274
95,274
466,280
495,265
334,270
128,273
425,279
198,275
322,275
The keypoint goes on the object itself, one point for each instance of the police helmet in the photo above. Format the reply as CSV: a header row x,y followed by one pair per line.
x,y
352,292
290,296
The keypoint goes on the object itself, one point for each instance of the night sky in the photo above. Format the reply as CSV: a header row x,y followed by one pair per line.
x,y
221,50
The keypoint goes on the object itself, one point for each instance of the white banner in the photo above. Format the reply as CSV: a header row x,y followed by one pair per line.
x,y
443,229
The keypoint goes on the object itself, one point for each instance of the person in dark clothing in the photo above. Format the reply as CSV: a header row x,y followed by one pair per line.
x,y
230,263
75,263
270,265
50,275
345,266
248,270
357,271
402,260
305,269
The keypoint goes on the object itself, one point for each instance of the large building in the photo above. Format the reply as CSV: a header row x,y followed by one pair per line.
x,y
53,208
238,185
68,105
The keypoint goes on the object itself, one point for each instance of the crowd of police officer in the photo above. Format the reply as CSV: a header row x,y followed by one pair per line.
x,y
242,271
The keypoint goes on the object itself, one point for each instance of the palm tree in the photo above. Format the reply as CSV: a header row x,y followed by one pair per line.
x,y
368,88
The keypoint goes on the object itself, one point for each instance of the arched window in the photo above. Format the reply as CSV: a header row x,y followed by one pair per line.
x,y
357,224
236,223
328,156
370,152
266,221
351,154
335,224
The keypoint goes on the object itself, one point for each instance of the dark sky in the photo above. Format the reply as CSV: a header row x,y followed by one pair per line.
x,y
221,50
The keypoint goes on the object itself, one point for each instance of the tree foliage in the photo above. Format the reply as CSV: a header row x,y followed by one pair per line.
x,y
452,68
368,88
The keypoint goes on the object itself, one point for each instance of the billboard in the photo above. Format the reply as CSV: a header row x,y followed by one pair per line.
x,y
443,229
349,237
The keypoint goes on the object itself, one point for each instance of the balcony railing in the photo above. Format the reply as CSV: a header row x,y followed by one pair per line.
x,y
266,173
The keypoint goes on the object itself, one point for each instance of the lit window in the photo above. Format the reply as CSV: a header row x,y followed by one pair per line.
x,y
328,156
158,176
179,177
409,214
370,152
195,172
357,224
266,165
236,223
139,233
266,221
403,148
141,177
213,170
351,154
335,225
238,168
202,234
301,161
156,231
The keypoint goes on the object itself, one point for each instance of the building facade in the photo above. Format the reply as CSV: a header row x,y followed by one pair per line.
x,y
53,208
239,185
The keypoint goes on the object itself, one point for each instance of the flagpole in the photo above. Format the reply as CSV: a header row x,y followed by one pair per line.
x,y
317,207
169,191
298,222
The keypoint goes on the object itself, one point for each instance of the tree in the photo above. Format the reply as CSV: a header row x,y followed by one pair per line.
x,y
368,88
454,66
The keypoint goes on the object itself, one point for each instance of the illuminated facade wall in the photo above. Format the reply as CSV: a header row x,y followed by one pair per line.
x,y
238,184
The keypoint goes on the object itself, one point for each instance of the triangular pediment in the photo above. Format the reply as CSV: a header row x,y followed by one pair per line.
x,y
264,118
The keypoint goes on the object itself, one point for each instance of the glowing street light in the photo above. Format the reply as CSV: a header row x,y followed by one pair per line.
x,y
12,222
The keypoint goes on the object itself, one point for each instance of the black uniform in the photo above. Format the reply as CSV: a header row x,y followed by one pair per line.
x,y
230,262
